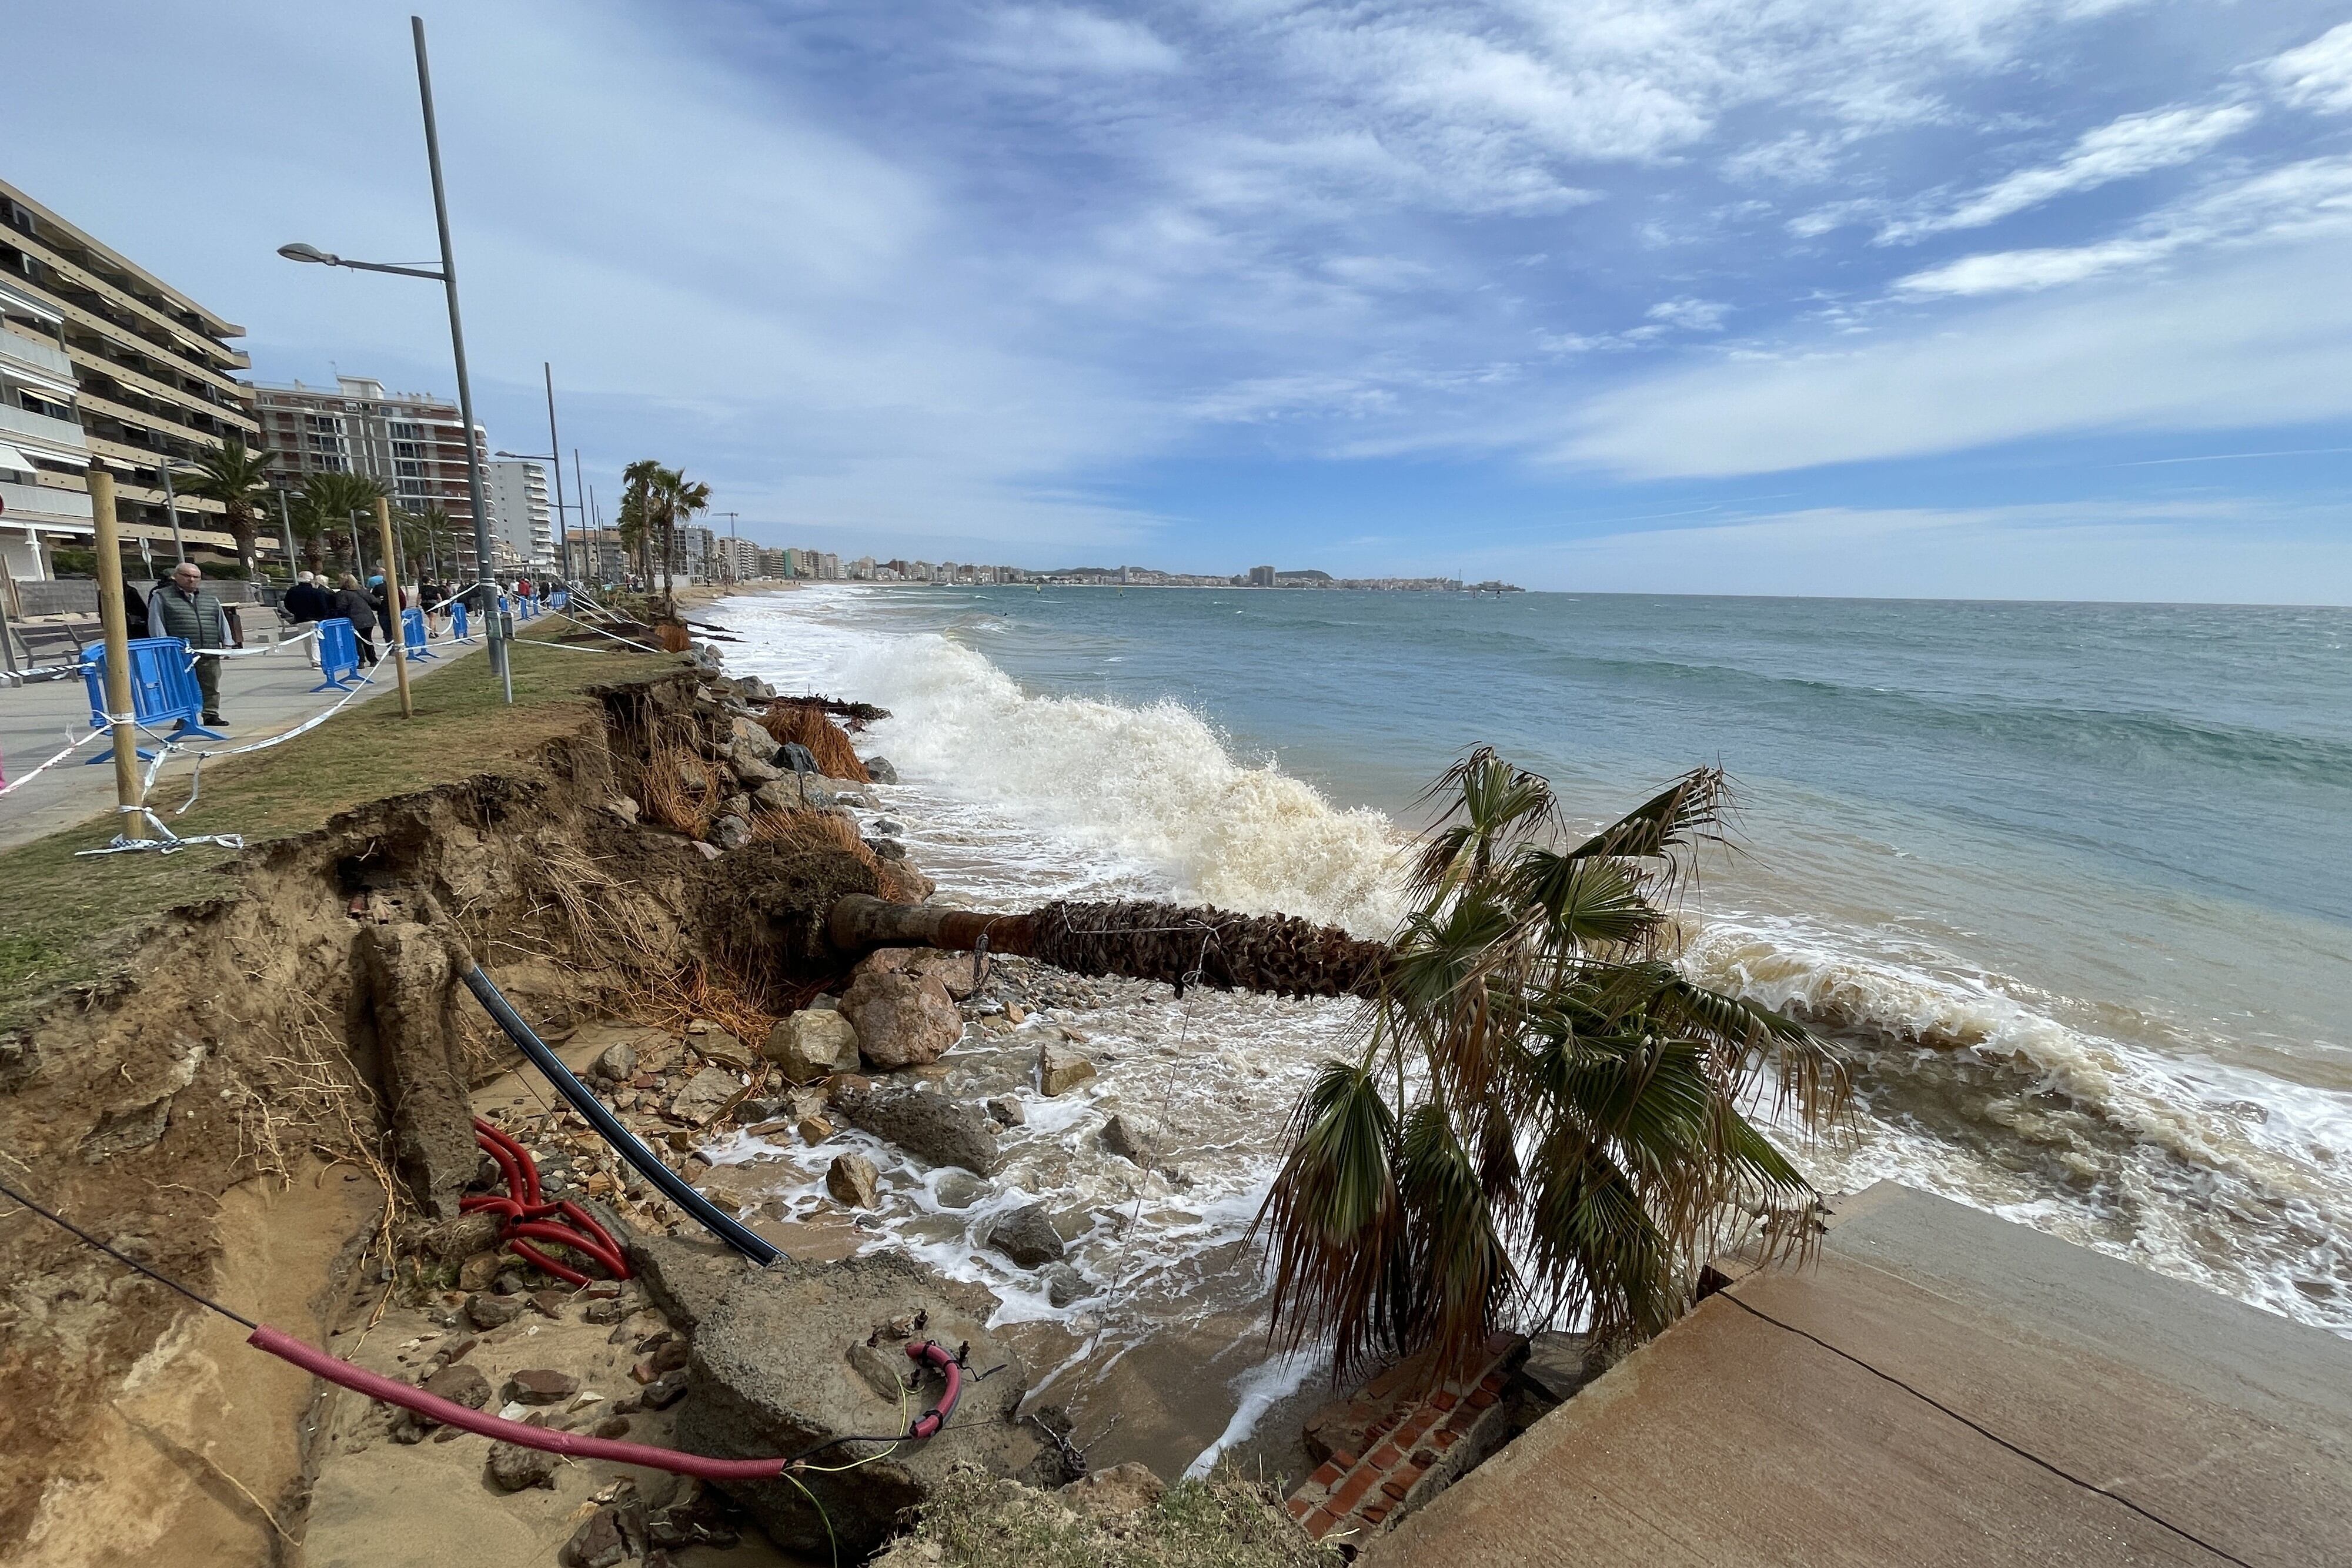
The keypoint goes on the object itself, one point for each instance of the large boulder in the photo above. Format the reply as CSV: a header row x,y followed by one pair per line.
x,y
811,1044
897,881
926,1124
751,753
771,1372
903,1019
1027,1237
706,1094
1060,1069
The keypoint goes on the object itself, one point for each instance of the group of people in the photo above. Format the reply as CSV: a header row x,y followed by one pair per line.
x,y
315,597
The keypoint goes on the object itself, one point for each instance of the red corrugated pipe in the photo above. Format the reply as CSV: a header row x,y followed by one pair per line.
x,y
529,1217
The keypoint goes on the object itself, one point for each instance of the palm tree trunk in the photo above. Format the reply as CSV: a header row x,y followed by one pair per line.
x,y
1172,943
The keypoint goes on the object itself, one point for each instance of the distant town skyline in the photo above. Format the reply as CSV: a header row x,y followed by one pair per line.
x,y
2008,299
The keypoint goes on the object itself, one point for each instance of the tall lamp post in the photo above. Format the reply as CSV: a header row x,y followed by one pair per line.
x,y
486,583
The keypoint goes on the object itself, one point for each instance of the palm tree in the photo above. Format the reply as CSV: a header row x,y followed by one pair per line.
x,y
332,498
1545,1117
234,474
422,533
641,484
680,499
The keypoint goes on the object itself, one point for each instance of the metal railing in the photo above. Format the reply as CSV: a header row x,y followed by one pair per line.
x,y
46,429
35,355
29,503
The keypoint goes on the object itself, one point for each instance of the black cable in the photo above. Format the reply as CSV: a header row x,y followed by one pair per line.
x,y
126,1258
625,1143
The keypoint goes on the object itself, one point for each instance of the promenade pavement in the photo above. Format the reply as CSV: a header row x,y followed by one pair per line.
x,y
261,695
1938,1388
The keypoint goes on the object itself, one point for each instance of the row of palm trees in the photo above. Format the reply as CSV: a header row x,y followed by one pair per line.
x,y
655,501
328,509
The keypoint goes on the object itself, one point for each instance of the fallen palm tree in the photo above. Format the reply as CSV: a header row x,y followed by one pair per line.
x,y
1546,1119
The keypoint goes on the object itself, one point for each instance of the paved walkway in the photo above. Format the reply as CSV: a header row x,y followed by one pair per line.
x,y
1942,1387
261,696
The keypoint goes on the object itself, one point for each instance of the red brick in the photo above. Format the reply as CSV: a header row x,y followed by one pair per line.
x,y
1343,1458
1423,1459
1373,1513
1351,1492
1327,1474
1321,1522
1383,1457
1443,1400
1395,1490
1446,1439
1423,1420
1492,1383
1481,1400
1300,1506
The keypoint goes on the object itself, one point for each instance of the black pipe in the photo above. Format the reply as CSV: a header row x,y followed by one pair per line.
x,y
625,1143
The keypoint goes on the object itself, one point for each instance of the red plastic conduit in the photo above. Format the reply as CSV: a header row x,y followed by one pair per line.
x,y
359,1380
529,1217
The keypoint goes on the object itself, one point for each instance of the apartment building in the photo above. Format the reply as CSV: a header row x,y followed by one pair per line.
x,y
608,558
697,553
99,359
521,521
412,439
735,559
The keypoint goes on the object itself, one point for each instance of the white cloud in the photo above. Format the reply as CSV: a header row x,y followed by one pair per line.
x,y
2260,340
1054,40
2318,75
2133,145
1690,315
2312,197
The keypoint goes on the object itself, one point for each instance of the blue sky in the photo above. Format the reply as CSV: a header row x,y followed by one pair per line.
x,y
1970,297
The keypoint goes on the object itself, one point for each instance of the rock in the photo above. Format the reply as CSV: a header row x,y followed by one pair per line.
x,y
887,849
707,852
897,881
624,808
1063,1284
684,1278
729,832
539,1385
737,805
880,771
901,1021
706,1094
476,1273
460,1384
597,1544
511,1467
812,1129
1027,1237
752,753
772,1375
548,1303
926,1124
612,1310
1005,1111
810,1045
1131,1140
619,1062
958,1189
487,1311
666,1390
853,1179
1122,1489
1015,1014
1061,1070
884,1368
888,828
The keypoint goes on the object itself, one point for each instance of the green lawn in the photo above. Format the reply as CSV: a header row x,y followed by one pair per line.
x,y
63,919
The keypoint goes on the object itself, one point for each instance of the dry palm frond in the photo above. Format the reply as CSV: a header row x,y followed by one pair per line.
x,y
811,830
681,789
795,722
704,991
1545,1118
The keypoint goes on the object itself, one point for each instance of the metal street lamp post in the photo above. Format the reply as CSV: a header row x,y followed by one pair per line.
x,y
485,582
171,505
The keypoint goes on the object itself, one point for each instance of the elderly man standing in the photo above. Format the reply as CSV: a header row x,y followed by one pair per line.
x,y
185,608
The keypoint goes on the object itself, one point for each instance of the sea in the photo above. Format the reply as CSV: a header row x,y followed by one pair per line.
x,y
2069,885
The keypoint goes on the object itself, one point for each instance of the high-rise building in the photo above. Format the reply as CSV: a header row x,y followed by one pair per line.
x,y
1261,576
103,359
607,558
695,544
411,440
522,523
775,562
737,559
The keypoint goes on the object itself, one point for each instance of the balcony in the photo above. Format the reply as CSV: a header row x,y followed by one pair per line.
x,y
40,504
58,437
35,355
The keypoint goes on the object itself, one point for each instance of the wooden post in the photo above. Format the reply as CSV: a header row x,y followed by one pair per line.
x,y
391,597
117,645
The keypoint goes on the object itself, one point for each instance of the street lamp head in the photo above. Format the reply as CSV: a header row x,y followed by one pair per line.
x,y
298,251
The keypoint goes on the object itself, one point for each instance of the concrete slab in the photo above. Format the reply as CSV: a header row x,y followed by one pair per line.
x,y
1940,1387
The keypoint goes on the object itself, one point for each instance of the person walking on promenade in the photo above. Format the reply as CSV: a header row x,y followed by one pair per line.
x,y
185,608
352,603
307,605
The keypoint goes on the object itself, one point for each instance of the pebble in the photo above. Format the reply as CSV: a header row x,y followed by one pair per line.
x,y
540,1385
511,1467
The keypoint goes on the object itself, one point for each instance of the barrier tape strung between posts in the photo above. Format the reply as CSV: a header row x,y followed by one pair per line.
x,y
72,747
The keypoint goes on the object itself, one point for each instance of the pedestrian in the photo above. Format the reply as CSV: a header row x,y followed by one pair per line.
x,y
306,605
134,609
185,608
385,596
352,603
429,594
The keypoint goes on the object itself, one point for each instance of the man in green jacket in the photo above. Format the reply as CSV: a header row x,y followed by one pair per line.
x,y
185,608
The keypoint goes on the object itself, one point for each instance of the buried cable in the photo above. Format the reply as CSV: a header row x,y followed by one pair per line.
x,y
625,1143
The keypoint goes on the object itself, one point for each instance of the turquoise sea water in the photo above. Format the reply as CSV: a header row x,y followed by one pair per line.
x,y
2072,884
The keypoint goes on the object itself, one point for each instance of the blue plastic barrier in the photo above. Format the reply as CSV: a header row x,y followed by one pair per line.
x,y
163,690
559,599
457,621
339,655
412,635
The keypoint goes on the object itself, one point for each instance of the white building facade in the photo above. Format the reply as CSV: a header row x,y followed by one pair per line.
x,y
522,522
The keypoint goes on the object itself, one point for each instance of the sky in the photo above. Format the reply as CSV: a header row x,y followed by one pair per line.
x,y
1971,298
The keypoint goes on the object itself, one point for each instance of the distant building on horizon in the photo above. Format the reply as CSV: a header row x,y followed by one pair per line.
x,y
1261,576
737,559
